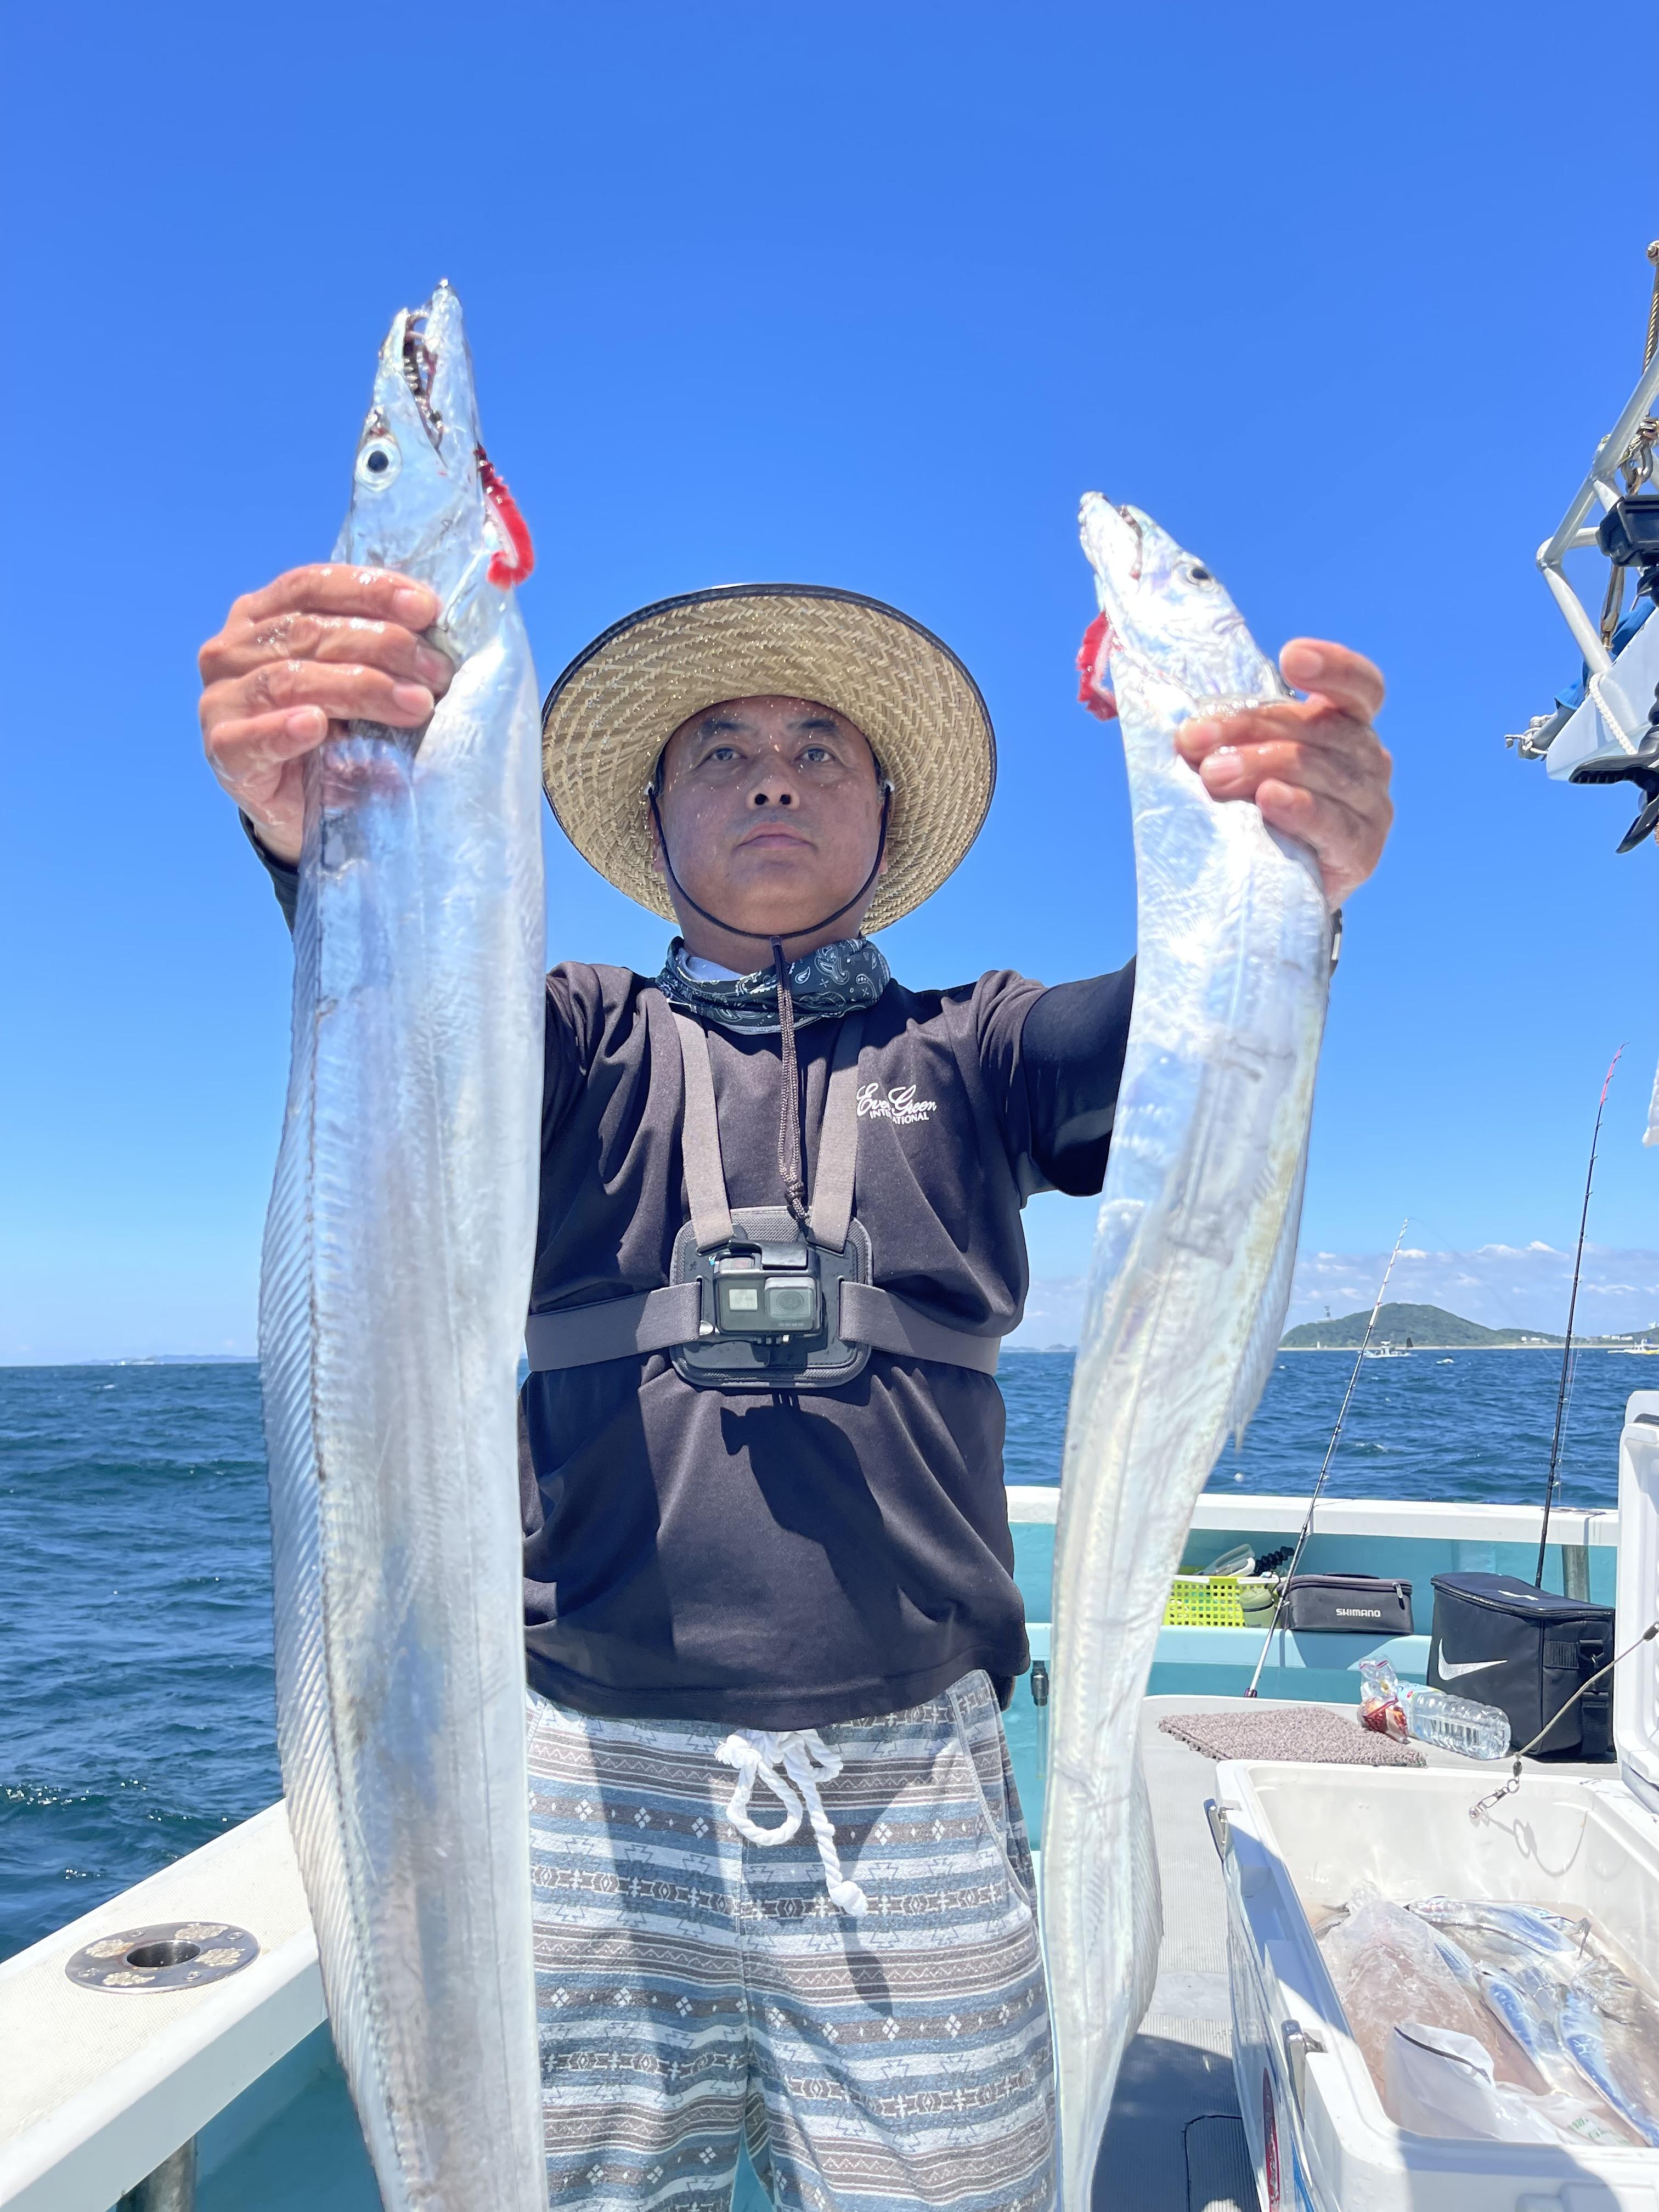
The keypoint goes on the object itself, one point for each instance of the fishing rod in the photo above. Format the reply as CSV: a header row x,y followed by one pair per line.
x,y
1572,1307
1330,1449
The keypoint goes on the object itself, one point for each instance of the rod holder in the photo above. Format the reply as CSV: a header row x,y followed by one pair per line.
x,y
169,1955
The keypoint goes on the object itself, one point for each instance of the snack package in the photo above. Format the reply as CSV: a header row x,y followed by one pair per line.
x,y
1382,1707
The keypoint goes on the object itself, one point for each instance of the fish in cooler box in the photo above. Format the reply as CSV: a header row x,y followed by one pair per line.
x,y
1388,1965
1561,2015
1618,2057
1541,1912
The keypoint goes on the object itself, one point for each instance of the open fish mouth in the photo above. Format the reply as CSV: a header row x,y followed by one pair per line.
x,y
1120,538
420,367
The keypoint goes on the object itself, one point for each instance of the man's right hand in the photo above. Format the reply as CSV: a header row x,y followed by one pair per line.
x,y
321,646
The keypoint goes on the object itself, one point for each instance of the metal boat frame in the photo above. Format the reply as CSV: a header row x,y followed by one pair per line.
x,y
1599,491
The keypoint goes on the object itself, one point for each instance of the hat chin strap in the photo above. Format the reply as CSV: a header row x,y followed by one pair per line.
x,y
791,1166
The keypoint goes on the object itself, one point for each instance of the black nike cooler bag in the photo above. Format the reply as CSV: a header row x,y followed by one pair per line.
x,y
1498,1640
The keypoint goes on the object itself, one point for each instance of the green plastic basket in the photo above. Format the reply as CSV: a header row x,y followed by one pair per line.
x,y
1220,1602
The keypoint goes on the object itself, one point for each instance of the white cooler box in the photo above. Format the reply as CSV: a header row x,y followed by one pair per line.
x,y
1297,1838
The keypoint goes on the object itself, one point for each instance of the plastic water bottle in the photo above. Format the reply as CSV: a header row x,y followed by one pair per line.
x,y
1456,1723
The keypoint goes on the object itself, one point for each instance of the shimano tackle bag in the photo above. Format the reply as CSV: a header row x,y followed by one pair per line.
x,y
1354,1605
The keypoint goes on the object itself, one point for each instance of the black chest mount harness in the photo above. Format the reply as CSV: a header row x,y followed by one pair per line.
x,y
756,1299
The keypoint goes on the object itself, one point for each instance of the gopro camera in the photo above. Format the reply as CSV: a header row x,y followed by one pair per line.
x,y
767,1291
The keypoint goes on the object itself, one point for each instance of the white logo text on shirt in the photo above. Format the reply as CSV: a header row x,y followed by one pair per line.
x,y
900,1104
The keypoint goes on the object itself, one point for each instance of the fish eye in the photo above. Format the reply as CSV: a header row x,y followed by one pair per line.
x,y
378,461
1196,573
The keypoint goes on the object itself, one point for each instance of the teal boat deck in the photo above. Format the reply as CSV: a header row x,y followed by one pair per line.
x,y
1175,2140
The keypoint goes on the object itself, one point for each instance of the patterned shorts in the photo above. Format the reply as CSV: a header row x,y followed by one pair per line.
x,y
693,1987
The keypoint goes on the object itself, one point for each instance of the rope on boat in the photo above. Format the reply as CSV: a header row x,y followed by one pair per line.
x,y
1482,1806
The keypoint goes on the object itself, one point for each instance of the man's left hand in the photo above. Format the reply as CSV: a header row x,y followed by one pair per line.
x,y
1315,767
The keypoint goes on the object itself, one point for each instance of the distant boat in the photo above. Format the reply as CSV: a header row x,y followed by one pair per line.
x,y
1389,1350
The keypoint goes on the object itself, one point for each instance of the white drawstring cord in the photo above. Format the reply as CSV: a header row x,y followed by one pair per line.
x,y
757,1753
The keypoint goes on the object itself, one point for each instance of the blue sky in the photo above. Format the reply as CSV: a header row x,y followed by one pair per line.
x,y
866,295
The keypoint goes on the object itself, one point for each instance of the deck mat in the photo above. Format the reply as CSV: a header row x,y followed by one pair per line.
x,y
1219,2176
1280,1731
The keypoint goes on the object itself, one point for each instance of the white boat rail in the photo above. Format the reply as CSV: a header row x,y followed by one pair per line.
x,y
100,2089
1574,1527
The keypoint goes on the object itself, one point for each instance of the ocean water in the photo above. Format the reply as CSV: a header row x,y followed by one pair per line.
x,y
135,1674
1472,1426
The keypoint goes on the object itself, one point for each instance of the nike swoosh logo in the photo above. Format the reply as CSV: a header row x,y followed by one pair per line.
x,y
1451,1669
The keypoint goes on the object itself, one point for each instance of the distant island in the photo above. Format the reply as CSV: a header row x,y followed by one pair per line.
x,y
1432,1329
180,1359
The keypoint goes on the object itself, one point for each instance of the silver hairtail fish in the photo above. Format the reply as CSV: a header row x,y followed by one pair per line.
x,y
1192,1261
1553,1936
1457,1961
1527,2000
1584,2034
397,1273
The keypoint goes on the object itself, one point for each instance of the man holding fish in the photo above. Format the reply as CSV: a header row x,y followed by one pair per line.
x,y
767,1553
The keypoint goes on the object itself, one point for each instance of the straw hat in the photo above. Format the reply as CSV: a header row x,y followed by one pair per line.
x,y
610,713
